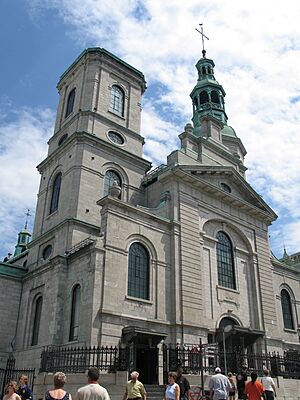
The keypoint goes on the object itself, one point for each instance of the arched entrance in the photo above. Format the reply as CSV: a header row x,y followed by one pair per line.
x,y
237,342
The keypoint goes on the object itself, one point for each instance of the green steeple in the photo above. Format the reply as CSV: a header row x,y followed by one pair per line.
x,y
23,240
207,96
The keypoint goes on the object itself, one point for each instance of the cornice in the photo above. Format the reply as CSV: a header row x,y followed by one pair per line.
x,y
266,214
82,137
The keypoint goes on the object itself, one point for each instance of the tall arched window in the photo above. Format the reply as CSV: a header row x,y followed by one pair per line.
x,y
138,272
226,275
55,193
214,97
36,321
109,179
117,100
70,102
74,323
287,312
203,97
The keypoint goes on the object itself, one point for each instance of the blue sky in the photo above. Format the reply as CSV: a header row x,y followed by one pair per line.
x,y
256,49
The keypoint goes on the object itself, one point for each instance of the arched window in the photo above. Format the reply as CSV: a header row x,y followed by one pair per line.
x,y
70,102
74,323
214,97
287,310
117,100
55,193
36,321
138,272
109,179
226,275
203,71
203,97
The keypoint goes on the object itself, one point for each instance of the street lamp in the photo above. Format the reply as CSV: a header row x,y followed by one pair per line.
x,y
226,329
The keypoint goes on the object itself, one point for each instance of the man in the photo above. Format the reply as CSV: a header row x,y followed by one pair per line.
x,y
219,386
184,385
134,388
241,380
92,391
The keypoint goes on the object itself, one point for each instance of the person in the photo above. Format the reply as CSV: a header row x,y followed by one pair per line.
x,y
269,385
11,391
23,391
232,389
183,384
241,379
172,389
92,391
254,389
134,388
219,386
59,380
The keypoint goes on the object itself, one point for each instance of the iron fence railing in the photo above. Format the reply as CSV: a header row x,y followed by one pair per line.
x,y
79,359
195,359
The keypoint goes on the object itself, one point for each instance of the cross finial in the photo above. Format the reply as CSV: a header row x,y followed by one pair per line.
x,y
203,36
27,215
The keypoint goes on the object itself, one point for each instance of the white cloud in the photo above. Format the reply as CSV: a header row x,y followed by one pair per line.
x,y
24,138
256,49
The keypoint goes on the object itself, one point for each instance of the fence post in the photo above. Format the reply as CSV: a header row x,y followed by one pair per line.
x,y
201,366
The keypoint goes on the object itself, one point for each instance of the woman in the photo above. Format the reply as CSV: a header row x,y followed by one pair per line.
x,y
269,385
172,390
59,379
24,392
11,390
232,389
254,389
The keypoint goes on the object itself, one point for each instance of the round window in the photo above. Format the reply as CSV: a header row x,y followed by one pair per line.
x,y
225,187
47,252
115,137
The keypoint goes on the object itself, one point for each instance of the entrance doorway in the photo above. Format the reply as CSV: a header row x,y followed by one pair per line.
x,y
147,365
143,345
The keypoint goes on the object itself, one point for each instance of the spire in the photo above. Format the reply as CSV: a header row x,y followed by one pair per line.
x,y
23,238
208,95
203,36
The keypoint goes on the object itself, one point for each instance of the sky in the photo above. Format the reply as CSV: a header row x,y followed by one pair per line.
x,y
255,46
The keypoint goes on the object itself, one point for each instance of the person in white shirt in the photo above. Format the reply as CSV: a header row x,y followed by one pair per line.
x,y
92,391
269,385
219,386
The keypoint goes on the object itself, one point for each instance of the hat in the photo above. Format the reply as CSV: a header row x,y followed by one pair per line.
x,y
217,370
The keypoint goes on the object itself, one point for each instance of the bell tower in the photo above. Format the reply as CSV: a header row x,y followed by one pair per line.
x,y
96,142
207,96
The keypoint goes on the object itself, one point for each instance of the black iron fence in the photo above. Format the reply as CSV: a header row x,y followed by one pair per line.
x,y
79,359
204,359
194,359
11,373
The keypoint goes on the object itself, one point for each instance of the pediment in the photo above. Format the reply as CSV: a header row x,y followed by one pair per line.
x,y
228,184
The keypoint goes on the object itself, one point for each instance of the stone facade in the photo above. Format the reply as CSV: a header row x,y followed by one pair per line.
x,y
175,212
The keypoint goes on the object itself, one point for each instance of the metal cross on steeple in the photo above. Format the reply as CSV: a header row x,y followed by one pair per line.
x,y
27,215
203,36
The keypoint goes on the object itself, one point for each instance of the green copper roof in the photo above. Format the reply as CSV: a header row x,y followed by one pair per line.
x,y
12,270
101,51
228,131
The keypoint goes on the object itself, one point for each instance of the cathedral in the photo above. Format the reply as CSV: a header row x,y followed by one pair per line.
x,y
122,253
